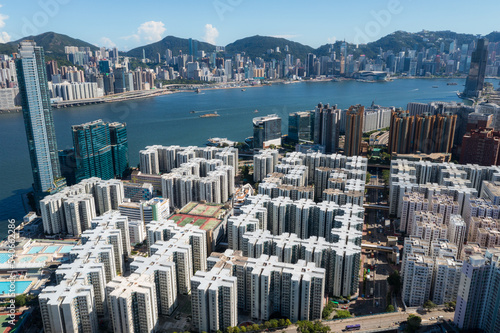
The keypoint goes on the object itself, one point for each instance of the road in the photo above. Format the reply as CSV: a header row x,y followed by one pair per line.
x,y
385,320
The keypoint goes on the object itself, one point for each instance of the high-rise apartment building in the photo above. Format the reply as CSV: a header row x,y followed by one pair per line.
x,y
475,81
354,130
326,129
38,122
424,133
481,146
478,300
214,299
300,296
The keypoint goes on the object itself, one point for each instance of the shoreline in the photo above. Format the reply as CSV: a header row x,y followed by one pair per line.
x,y
166,91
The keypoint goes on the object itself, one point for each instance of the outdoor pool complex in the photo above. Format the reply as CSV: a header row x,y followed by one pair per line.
x,y
4,257
21,286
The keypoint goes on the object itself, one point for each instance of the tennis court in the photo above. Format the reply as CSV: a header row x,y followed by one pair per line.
x,y
188,207
198,210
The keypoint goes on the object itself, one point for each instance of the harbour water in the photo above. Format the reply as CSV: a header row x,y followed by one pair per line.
x,y
168,120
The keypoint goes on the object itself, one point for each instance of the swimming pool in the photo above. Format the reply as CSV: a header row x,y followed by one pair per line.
x,y
4,257
21,287
26,259
66,249
51,249
41,258
35,249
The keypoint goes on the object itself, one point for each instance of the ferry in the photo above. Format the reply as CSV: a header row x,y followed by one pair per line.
x,y
451,84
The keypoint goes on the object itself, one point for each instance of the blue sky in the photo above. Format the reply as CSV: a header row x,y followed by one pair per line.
x,y
128,24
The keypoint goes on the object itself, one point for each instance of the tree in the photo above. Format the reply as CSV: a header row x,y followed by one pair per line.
x,y
305,326
255,327
243,329
272,146
386,174
389,308
368,177
342,314
288,322
414,323
451,305
394,281
429,305
21,300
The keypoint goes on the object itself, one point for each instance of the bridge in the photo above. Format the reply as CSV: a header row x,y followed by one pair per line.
x,y
380,248
372,206
380,187
382,166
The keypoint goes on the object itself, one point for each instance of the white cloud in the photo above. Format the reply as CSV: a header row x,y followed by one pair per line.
x,y
106,42
286,36
331,40
211,34
150,31
4,37
3,18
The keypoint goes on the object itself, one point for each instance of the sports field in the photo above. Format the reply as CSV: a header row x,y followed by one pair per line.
x,y
199,221
186,209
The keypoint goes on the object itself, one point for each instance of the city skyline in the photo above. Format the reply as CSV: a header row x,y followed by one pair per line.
x,y
221,22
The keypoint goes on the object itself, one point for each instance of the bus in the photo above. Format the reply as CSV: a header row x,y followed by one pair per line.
x,y
356,327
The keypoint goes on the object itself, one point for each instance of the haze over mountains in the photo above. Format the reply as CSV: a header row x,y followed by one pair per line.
x,y
258,46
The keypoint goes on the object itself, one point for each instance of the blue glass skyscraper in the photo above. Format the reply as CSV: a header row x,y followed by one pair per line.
x,y
38,122
93,150
101,150
119,148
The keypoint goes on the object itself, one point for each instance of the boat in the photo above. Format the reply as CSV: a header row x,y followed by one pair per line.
x,y
208,115
435,87
192,111
256,111
451,84
198,90
243,89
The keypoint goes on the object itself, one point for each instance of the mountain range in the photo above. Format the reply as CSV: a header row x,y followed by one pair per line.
x,y
258,46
